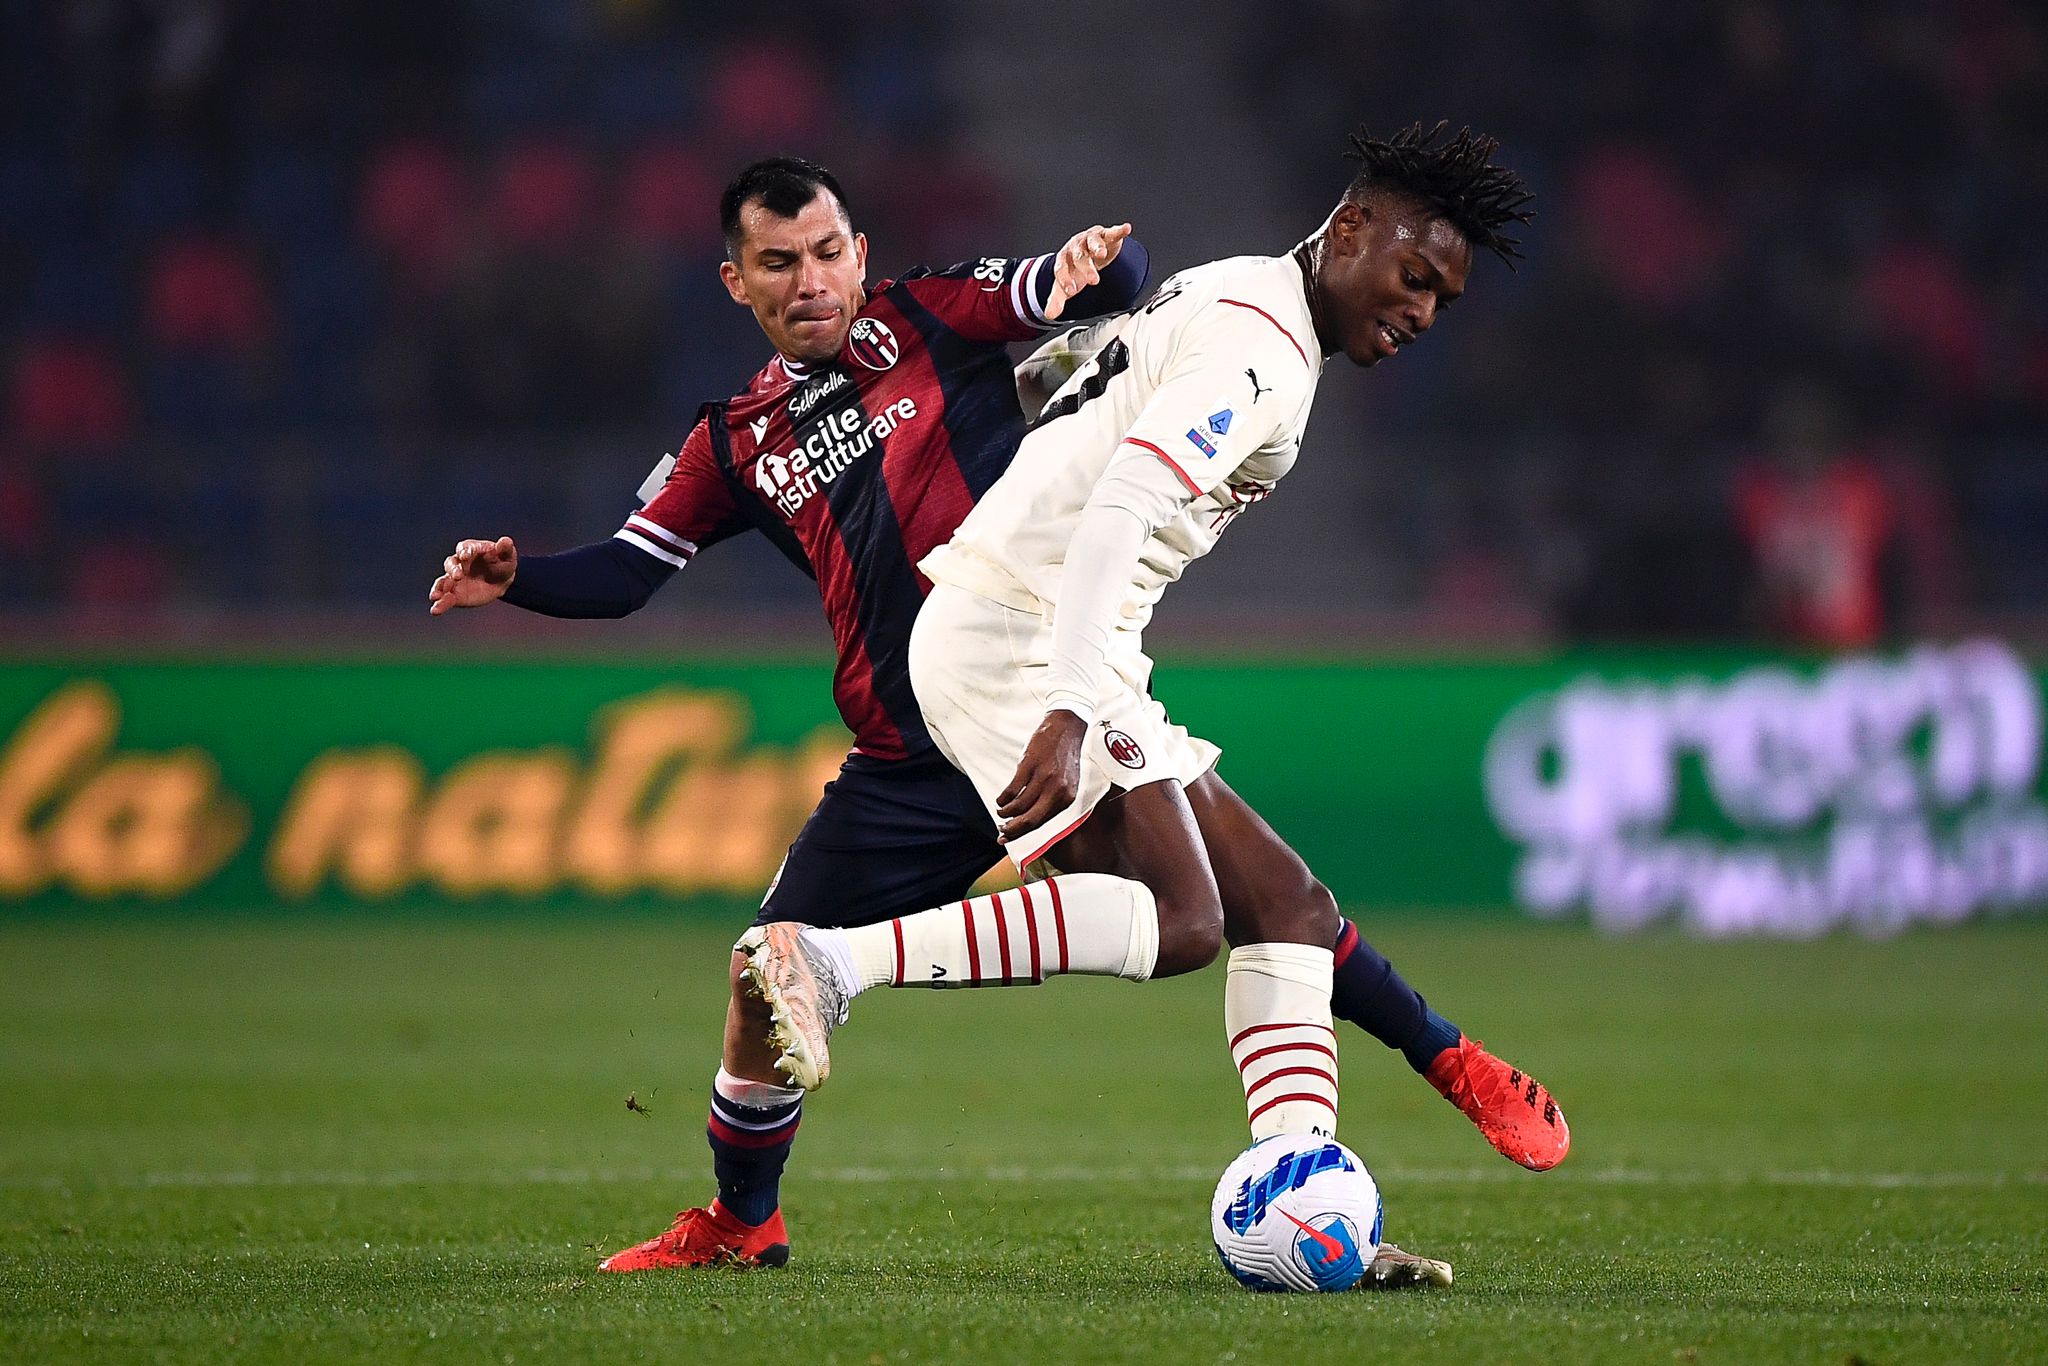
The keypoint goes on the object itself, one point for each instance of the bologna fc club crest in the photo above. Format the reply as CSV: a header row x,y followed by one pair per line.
x,y
1123,749
872,344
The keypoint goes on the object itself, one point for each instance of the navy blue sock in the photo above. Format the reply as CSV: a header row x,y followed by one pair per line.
x,y
749,1145
1366,990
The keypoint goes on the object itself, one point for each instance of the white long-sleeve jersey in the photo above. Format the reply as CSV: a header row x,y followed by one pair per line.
x,y
1188,416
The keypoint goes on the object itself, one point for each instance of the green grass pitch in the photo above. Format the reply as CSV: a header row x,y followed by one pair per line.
x,y
328,1140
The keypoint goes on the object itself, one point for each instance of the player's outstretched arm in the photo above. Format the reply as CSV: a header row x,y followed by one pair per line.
x,y
1100,270
1080,263
606,580
477,574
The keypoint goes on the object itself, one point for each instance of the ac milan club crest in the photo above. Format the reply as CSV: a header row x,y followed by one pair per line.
x,y
872,344
1123,749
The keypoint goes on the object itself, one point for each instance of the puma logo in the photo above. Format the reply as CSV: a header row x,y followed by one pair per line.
x,y
1257,388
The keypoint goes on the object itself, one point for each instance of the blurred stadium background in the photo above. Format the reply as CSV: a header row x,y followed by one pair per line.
x,y
291,300
1698,571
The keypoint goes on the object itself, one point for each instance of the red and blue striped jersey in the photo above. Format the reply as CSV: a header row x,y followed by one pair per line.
x,y
859,467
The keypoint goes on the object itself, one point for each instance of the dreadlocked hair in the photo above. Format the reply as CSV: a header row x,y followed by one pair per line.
x,y
1455,178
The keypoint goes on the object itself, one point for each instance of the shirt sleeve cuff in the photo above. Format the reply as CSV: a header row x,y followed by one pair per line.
x,y
1082,707
1035,279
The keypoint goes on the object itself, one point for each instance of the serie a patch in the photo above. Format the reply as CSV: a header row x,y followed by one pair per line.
x,y
1218,424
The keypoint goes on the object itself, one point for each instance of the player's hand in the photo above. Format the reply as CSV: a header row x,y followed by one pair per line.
x,y
477,573
1048,778
1080,263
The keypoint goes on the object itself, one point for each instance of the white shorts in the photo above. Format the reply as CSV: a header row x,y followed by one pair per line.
x,y
979,669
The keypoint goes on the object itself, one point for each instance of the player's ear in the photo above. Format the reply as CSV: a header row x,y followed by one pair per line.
x,y
860,255
735,284
1347,224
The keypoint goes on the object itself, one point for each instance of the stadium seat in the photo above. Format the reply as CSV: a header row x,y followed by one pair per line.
x,y
667,198
206,293
413,206
68,393
1912,289
1656,237
543,190
768,94
123,573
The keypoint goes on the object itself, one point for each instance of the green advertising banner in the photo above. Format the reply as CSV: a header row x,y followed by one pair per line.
x,y
1731,792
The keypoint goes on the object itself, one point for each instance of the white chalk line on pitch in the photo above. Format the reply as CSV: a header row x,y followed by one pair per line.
x,y
1054,1175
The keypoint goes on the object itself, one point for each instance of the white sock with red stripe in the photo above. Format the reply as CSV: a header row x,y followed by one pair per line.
x,y
1088,923
1276,1008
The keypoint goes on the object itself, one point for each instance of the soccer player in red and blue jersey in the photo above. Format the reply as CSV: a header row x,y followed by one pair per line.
x,y
883,416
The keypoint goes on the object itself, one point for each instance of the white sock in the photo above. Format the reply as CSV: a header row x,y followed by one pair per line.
x,y
754,1095
1276,1008
1088,923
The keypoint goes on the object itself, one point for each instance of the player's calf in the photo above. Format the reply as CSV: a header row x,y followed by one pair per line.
x,y
747,1020
1267,892
1283,910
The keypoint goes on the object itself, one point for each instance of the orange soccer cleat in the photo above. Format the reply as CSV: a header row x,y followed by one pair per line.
x,y
1510,1107
707,1237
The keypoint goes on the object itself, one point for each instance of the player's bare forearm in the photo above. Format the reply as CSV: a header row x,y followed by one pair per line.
x,y
478,573
1048,778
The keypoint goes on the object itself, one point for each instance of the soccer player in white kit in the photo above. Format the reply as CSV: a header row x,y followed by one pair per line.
x,y
1028,663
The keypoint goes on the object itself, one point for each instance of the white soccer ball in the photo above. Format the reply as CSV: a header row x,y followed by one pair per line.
x,y
1296,1212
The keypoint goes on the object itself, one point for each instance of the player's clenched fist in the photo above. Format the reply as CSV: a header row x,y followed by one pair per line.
x,y
478,572
1048,777
1080,263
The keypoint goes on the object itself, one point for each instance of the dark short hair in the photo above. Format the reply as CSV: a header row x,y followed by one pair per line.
x,y
783,185
1454,179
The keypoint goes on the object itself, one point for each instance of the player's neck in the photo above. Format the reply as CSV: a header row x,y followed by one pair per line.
x,y
1309,257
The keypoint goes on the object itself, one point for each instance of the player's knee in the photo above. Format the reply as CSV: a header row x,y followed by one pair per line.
x,y
1319,921
1292,910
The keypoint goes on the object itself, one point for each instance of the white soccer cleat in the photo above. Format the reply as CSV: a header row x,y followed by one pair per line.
x,y
803,995
1392,1268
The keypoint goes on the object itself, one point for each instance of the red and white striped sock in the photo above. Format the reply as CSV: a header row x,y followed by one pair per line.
x,y
1276,1008
1088,923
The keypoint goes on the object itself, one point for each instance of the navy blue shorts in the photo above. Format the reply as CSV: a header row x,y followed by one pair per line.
x,y
890,836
